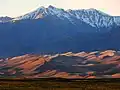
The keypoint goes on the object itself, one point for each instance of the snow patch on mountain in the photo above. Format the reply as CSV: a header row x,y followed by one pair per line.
x,y
117,20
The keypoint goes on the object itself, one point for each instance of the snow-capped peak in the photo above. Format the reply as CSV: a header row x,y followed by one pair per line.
x,y
52,7
91,16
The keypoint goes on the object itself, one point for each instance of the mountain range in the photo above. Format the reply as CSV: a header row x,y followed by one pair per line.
x,y
56,43
55,30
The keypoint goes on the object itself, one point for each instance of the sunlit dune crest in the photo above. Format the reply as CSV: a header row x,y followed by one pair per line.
x,y
67,65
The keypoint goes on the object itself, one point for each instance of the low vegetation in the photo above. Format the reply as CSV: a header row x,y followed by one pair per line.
x,y
59,84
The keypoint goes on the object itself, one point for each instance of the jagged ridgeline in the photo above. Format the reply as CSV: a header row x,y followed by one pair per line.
x,y
55,30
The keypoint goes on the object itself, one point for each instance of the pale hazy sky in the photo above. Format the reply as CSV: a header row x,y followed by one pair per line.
x,y
15,8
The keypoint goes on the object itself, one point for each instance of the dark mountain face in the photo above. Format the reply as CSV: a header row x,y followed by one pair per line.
x,y
48,32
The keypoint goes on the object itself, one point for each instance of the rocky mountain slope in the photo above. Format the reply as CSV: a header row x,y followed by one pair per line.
x,y
104,64
5,19
92,17
54,30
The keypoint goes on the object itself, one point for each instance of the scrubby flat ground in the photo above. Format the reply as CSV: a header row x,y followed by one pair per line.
x,y
60,84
